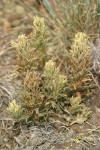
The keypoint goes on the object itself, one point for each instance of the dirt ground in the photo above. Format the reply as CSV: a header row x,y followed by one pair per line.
x,y
14,135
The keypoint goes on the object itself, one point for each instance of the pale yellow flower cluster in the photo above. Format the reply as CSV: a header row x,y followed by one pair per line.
x,y
14,108
22,45
50,69
39,28
80,44
55,81
62,80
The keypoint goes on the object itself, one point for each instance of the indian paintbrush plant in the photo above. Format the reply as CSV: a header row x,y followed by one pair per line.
x,y
15,109
44,87
79,63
